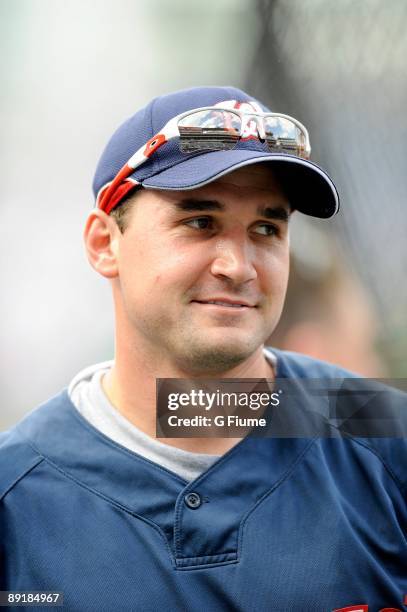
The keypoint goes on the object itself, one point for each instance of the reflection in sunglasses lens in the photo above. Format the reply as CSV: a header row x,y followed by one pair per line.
x,y
219,130
283,135
212,130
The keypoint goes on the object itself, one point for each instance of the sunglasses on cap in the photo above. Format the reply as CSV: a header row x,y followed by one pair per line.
x,y
214,128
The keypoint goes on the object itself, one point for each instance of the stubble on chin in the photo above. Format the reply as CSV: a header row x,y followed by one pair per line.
x,y
213,361
194,350
197,355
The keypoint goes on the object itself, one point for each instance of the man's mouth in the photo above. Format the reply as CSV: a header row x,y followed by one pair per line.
x,y
226,303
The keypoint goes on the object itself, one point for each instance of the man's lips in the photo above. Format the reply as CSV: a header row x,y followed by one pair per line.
x,y
225,302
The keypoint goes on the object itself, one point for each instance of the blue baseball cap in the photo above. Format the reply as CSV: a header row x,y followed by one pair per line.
x,y
308,187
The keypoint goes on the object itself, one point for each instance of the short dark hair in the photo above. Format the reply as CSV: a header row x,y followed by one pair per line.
x,y
122,212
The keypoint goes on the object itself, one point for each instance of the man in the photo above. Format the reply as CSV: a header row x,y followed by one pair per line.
x,y
191,228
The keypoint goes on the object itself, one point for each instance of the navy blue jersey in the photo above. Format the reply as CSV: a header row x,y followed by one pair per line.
x,y
275,525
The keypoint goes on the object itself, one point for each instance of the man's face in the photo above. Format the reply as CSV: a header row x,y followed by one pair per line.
x,y
226,242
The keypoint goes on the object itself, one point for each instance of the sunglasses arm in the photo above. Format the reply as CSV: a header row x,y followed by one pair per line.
x,y
169,131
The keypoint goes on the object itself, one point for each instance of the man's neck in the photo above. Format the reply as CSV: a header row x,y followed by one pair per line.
x,y
131,388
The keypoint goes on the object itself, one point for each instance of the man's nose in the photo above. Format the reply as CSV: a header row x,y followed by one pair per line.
x,y
233,259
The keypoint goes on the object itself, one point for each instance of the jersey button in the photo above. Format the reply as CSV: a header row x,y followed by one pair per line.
x,y
193,500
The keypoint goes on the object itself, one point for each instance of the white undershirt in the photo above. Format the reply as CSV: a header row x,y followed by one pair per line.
x,y
87,395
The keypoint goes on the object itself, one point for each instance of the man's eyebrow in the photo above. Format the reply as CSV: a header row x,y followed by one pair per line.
x,y
280,213
191,205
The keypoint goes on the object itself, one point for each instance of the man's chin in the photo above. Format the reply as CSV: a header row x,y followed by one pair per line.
x,y
217,355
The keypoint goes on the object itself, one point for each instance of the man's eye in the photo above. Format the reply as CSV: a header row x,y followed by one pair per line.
x,y
266,229
199,223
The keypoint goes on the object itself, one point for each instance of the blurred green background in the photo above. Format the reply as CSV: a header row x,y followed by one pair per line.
x,y
72,71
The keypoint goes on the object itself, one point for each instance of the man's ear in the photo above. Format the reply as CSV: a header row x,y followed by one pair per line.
x,y
101,238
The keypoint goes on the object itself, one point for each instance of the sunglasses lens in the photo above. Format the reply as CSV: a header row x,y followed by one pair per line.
x,y
285,136
210,130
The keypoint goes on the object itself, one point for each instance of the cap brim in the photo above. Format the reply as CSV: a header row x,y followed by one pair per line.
x,y
309,188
